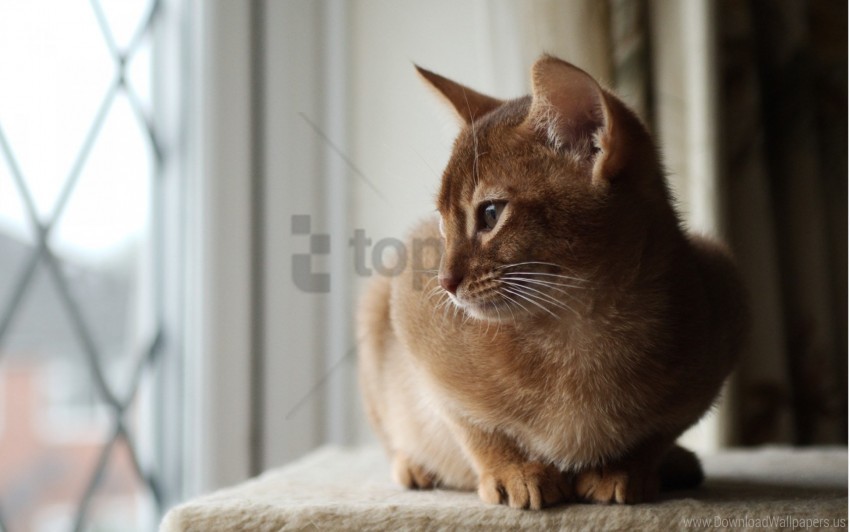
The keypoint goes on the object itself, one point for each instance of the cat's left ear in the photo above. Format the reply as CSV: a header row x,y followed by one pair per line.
x,y
574,114
467,103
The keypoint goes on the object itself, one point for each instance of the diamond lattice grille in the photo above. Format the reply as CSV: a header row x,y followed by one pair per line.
x,y
117,399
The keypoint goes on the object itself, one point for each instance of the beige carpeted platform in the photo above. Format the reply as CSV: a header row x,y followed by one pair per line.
x,y
345,489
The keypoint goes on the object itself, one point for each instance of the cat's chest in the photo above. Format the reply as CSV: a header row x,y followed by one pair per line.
x,y
530,380
513,376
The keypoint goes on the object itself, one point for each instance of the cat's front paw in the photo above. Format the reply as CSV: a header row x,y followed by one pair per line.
x,y
411,475
605,486
530,485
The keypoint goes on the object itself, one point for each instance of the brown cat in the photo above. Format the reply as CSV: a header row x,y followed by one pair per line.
x,y
574,330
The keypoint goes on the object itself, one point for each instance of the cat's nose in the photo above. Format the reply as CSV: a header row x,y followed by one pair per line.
x,y
450,283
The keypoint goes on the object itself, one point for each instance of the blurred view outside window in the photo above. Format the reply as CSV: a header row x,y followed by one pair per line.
x,y
79,287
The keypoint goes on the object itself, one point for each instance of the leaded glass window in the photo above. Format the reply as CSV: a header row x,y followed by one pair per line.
x,y
81,328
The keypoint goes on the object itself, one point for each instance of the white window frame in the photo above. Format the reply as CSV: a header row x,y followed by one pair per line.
x,y
218,223
236,406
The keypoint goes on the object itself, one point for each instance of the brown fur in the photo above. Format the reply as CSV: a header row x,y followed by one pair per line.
x,y
577,378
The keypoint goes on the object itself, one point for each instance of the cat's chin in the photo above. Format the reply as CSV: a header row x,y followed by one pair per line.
x,y
487,311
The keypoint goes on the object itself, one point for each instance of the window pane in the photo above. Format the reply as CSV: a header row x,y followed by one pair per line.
x,y
55,71
78,317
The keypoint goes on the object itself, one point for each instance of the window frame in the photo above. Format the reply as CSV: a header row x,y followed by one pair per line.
x,y
215,278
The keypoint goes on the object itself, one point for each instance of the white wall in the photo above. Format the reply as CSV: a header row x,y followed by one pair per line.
x,y
400,134
294,184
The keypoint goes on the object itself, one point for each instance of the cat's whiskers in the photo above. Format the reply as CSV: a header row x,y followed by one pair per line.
x,y
433,290
437,306
508,306
543,297
540,296
443,305
515,302
503,266
456,306
431,278
547,282
547,274
541,263
532,301
450,310
539,293
498,323
559,287
431,293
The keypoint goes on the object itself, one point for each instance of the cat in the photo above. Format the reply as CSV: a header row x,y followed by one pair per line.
x,y
571,329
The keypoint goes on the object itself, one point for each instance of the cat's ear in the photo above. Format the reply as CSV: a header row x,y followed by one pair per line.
x,y
574,114
467,103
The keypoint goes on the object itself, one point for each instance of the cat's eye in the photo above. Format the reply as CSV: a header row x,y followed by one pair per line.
x,y
489,214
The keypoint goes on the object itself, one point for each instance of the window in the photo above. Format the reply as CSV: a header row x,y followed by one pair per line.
x,y
82,171
67,409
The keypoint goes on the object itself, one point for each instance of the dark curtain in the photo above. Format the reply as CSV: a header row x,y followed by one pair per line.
x,y
783,94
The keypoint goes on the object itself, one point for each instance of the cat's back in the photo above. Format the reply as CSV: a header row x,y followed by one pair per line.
x,y
380,335
723,294
383,294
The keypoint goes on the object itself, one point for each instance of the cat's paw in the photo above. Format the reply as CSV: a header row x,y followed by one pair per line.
x,y
411,475
530,485
605,486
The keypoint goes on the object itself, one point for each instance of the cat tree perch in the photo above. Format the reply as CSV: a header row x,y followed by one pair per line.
x,y
350,489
